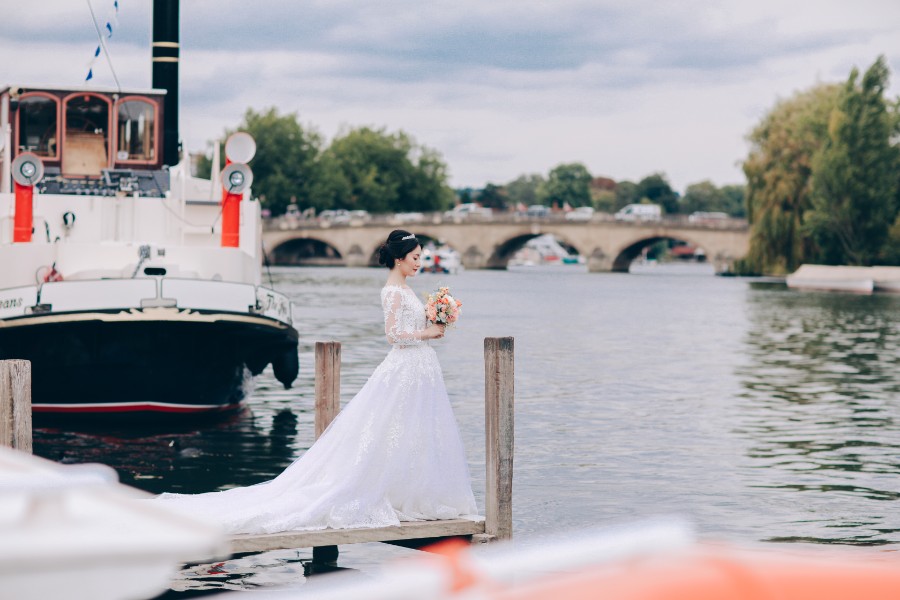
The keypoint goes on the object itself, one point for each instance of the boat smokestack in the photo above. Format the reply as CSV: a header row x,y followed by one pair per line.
x,y
166,52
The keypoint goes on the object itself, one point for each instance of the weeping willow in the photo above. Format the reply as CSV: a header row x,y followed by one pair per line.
x,y
779,172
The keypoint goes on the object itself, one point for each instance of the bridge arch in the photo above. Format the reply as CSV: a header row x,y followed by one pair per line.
x,y
625,256
505,250
306,251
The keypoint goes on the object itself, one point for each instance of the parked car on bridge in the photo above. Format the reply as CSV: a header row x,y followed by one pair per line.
x,y
582,213
537,210
409,217
340,216
707,218
640,212
469,210
359,217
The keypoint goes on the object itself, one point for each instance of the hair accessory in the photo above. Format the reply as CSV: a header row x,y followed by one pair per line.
x,y
407,237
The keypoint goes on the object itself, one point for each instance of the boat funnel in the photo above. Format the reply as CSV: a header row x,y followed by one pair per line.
x,y
166,52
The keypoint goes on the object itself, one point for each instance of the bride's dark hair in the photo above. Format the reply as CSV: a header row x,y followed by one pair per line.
x,y
398,244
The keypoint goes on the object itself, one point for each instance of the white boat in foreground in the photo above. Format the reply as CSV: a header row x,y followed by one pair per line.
x,y
73,532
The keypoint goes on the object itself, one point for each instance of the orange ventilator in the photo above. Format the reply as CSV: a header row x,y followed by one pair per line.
x,y
236,177
231,220
27,170
240,148
22,222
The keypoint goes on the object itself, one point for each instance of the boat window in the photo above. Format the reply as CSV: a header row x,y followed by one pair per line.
x,y
38,127
87,136
136,131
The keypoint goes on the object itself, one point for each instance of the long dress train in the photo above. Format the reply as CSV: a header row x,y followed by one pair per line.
x,y
393,454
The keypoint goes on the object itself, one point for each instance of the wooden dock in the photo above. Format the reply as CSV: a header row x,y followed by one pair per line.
x,y
15,431
410,531
499,394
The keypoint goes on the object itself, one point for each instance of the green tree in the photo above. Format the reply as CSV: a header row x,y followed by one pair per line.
x,y
287,162
657,190
603,200
568,183
525,189
627,192
890,253
854,187
464,196
389,172
778,171
703,196
493,196
735,200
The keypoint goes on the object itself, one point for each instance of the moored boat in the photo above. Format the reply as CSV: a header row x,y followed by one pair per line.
x,y
860,280
132,286
441,259
544,250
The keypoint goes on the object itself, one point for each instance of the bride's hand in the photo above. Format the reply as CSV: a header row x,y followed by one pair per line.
x,y
434,332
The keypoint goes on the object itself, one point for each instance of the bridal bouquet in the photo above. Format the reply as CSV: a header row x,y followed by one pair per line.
x,y
441,307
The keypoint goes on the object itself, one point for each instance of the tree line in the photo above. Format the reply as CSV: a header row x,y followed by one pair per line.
x,y
379,171
571,184
362,168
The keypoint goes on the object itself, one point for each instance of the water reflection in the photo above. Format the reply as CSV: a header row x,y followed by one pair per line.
x,y
820,411
234,452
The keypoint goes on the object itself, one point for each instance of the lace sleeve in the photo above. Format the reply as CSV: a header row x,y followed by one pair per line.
x,y
399,325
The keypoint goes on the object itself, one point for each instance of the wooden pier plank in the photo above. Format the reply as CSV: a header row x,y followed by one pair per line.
x,y
408,530
15,404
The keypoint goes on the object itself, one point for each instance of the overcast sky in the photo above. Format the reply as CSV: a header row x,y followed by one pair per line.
x,y
499,87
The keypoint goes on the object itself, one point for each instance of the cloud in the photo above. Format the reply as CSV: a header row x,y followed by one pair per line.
x,y
500,88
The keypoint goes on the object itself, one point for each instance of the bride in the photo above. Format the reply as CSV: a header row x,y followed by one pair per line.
x,y
392,454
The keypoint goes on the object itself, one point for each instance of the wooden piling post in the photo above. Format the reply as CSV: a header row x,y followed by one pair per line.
x,y
499,394
328,405
15,404
328,384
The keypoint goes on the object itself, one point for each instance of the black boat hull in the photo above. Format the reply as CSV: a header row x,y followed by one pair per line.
x,y
151,362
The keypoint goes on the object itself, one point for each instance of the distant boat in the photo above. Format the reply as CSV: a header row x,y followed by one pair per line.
x,y
442,259
544,250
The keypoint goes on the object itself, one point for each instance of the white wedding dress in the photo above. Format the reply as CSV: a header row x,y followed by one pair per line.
x,y
392,454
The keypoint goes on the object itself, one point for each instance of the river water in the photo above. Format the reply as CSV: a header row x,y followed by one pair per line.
x,y
759,413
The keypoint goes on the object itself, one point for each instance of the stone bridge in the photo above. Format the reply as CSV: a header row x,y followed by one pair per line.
x,y
607,245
